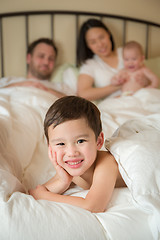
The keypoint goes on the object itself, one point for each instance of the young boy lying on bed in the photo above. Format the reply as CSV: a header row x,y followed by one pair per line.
x,y
74,133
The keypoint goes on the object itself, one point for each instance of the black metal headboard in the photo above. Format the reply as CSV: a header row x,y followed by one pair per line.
x,y
77,15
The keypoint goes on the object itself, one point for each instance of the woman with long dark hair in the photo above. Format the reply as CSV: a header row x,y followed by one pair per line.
x,y
98,60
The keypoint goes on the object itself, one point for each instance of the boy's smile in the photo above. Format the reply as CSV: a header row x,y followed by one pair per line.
x,y
74,163
75,145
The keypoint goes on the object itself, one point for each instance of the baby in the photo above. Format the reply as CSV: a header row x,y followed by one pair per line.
x,y
134,70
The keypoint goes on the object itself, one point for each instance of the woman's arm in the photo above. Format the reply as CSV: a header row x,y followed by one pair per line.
x,y
88,91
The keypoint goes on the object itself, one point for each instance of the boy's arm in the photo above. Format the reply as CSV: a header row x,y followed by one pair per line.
x,y
62,180
154,80
104,180
57,185
99,195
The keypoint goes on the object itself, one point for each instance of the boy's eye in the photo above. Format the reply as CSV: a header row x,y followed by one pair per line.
x,y
60,144
81,141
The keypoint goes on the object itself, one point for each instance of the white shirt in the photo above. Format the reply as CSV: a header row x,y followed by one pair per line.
x,y
100,71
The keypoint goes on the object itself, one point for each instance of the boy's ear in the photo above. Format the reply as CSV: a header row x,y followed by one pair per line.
x,y
50,153
100,141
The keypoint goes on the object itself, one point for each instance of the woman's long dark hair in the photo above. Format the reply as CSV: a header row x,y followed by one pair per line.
x,y
83,52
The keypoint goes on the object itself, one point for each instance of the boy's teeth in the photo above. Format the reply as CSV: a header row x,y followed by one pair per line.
x,y
74,163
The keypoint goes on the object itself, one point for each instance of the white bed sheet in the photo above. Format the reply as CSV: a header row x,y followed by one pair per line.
x,y
115,111
24,164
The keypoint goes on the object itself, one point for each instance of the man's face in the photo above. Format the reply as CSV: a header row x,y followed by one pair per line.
x,y
41,62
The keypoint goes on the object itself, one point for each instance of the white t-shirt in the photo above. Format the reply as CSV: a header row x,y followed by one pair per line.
x,y
100,71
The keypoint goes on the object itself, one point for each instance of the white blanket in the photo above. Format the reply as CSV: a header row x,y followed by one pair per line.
x,y
115,111
136,147
24,164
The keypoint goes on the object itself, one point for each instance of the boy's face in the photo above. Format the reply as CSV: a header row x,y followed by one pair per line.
x,y
133,59
75,145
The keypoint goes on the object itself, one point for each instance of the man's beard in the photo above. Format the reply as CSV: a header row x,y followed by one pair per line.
x,y
39,74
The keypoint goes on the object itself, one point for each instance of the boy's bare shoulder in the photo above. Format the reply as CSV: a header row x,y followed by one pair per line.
x,y
105,156
108,162
105,162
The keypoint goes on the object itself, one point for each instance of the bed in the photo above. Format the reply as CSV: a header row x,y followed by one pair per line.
x,y
131,126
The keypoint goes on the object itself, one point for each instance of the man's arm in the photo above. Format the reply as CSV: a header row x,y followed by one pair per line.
x,y
38,85
56,93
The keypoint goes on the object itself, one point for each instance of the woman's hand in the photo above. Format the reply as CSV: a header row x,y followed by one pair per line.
x,y
119,79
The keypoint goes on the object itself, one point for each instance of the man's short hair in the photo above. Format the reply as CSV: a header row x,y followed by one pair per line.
x,y
47,41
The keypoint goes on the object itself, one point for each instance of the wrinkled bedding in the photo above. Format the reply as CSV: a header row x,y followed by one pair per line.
x,y
135,146
24,163
115,111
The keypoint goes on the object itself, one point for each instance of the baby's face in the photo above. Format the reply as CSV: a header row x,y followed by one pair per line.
x,y
75,145
133,59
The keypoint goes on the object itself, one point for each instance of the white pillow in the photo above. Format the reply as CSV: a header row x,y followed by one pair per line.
x,y
66,76
70,78
57,75
136,148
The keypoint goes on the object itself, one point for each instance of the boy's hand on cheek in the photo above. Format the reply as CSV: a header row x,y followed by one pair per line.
x,y
63,175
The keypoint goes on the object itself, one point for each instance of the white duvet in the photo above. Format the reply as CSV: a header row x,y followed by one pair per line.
x,y
133,212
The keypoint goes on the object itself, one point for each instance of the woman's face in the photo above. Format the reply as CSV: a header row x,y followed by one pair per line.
x,y
98,41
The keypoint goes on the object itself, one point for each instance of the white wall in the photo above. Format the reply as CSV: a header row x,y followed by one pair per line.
x,y
14,47
145,9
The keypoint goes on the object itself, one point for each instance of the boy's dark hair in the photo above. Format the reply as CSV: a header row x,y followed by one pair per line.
x,y
47,41
83,52
72,108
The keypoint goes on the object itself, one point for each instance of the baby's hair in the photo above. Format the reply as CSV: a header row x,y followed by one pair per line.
x,y
135,45
73,108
